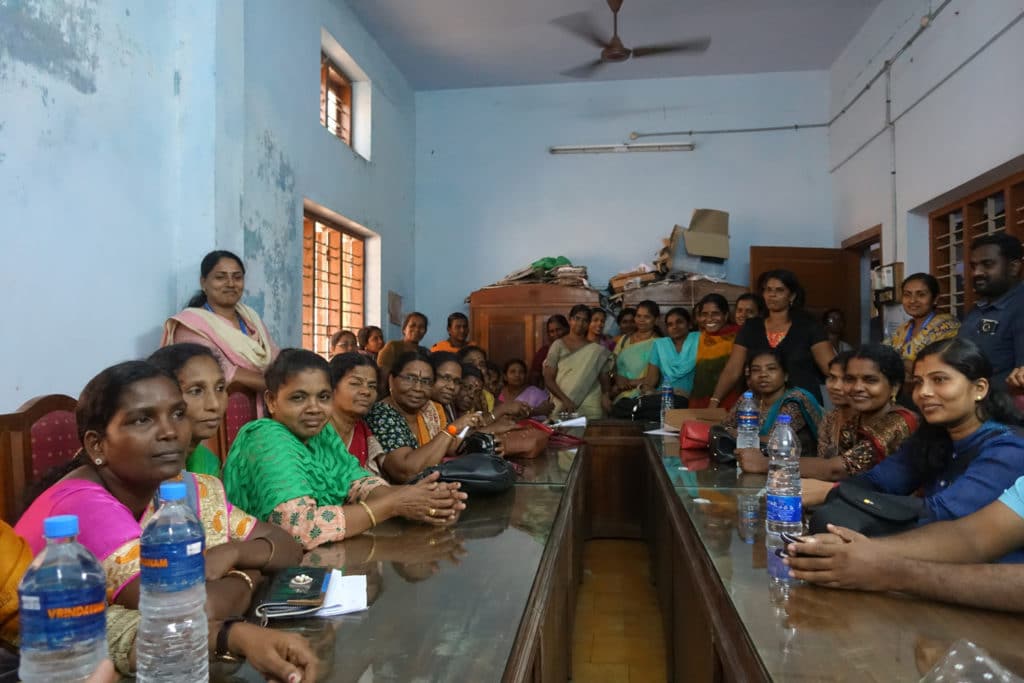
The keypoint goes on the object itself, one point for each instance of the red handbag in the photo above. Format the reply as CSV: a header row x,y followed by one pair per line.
x,y
694,435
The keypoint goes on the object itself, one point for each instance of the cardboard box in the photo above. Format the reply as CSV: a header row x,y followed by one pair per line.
x,y
676,418
631,280
708,234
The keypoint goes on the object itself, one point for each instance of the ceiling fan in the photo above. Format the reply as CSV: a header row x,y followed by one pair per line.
x,y
581,24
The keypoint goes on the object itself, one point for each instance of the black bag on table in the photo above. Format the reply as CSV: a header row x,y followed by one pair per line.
x,y
644,408
479,473
871,513
857,506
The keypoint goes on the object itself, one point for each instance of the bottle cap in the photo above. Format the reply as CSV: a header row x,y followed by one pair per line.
x,y
172,490
748,394
60,526
784,419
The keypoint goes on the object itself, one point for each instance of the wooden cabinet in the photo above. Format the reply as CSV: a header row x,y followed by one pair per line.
x,y
509,321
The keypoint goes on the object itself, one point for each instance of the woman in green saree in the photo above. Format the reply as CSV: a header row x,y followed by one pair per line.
x,y
575,370
633,352
295,471
767,379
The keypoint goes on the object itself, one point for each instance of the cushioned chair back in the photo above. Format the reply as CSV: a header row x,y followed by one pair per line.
x,y
241,411
39,436
54,441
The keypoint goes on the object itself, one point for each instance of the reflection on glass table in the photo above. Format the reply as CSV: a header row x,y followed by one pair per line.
x,y
812,633
551,468
445,604
698,470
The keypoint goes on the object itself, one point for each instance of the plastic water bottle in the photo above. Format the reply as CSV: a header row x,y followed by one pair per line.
x,y
62,608
667,402
172,641
746,422
784,508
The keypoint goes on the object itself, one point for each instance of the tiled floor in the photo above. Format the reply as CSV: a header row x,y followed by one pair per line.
x,y
618,636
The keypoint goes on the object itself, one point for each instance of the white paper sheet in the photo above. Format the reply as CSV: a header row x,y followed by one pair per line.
x,y
574,422
671,431
345,594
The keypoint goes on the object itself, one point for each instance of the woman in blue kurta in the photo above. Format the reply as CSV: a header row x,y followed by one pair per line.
x,y
964,418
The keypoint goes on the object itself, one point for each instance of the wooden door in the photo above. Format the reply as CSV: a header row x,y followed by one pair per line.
x,y
831,278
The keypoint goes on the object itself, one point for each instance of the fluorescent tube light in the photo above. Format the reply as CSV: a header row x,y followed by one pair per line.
x,y
618,149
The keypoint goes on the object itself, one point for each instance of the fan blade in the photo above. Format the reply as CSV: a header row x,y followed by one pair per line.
x,y
581,24
695,46
585,70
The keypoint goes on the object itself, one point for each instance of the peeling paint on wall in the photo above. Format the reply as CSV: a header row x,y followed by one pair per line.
x,y
59,37
276,169
273,245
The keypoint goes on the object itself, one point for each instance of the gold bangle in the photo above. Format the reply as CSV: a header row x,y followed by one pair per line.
x,y
273,550
244,577
373,547
373,519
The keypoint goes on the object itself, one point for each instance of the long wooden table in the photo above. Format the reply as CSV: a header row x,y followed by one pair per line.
x,y
494,598
491,599
725,619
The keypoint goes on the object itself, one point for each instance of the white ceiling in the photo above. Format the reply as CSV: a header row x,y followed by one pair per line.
x,y
473,43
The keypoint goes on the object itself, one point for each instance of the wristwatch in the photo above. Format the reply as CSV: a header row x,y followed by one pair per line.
x,y
221,652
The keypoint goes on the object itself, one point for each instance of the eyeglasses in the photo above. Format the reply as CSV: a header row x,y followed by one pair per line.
x,y
449,379
411,380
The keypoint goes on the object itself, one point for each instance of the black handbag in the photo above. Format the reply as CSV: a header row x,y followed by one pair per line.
x,y
479,473
477,442
722,445
644,408
857,506
868,512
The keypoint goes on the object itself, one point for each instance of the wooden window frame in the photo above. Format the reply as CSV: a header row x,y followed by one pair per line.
x,y
333,281
335,84
969,218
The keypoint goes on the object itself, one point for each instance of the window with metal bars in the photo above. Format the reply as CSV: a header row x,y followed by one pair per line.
x,y
333,273
996,208
335,100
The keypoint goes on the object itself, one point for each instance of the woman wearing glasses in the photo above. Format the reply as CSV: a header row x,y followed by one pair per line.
x,y
410,427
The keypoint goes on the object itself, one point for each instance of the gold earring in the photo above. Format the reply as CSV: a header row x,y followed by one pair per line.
x,y
978,399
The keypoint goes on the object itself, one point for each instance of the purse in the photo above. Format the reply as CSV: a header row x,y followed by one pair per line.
x,y
479,473
645,408
873,513
477,442
722,445
868,512
694,435
524,442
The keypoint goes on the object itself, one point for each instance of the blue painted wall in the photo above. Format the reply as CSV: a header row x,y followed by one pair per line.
x,y
289,156
88,138
135,137
489,197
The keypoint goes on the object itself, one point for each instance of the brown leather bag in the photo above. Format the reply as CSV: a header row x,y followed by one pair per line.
x,y
524,443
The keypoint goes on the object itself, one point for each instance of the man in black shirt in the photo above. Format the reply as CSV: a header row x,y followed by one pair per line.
x,y
996,323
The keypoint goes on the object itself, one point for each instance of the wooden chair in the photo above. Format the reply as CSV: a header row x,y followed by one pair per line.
x,y
40,435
